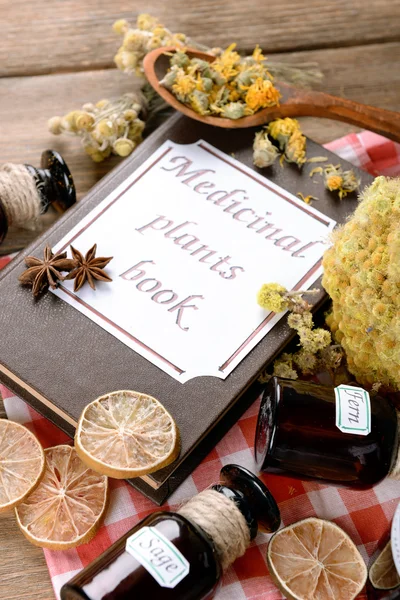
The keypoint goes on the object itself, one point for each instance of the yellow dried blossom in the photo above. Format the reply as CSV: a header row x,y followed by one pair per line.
x,y
183,86
295,149
306,362
281,130
287,133
264,152
334,182
105,127
361,274
316,350
146,35
147,22
123,146
257,54
271,296
227,64
262,93
344,182
283,367
314,340
55,125
120,26
84,121
199,102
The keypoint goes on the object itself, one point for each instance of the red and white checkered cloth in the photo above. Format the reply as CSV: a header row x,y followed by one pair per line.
x,y
365,516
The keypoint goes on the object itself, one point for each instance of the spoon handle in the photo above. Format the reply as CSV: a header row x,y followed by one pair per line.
x,y
318,104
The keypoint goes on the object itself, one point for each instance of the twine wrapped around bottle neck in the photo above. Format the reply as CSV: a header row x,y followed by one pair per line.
x,y
222,521
18,194
395,470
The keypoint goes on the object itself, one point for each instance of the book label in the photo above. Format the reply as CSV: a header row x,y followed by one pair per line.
x,y
353,410
194,234
158,556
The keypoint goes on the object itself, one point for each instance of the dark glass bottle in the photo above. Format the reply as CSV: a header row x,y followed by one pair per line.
x,y
54,184
118,575
297,434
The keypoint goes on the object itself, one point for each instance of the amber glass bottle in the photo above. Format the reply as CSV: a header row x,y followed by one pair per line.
x,y
339,435
184,562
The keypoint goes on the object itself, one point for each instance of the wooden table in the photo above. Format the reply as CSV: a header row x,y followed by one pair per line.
x,y
54,56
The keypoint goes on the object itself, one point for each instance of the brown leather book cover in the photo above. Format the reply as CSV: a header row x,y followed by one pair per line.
x,y
58,360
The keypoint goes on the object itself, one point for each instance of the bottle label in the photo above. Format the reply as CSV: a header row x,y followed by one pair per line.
x,y
353,410
158,556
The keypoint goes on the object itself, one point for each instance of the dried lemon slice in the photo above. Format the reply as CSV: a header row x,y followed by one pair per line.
x,y
67,507
316,560
383,573
21,463
126,434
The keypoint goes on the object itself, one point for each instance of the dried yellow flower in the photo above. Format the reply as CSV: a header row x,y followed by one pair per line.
x,y
123,146
183,86
264,152
295,149
261,94
54,125
287,133
272,296
120,26
344,182
146,35
282,129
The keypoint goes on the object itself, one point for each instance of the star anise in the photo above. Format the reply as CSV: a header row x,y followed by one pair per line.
x,y
47,272
88,268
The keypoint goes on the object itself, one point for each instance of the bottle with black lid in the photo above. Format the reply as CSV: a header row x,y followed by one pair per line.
x,y
341,435
181,556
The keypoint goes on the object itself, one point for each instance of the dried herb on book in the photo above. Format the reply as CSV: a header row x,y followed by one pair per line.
x,y
88,268
47,272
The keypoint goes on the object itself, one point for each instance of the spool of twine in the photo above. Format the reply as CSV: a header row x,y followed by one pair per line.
x,y
18,194
222,521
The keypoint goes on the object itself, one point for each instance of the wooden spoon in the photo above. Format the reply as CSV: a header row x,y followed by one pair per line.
x,y
295,102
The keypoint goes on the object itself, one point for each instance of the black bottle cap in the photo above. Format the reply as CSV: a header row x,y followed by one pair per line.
x,y
54,181
241,502
252,497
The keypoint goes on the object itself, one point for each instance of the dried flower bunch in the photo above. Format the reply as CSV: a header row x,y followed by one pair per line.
x,y
284,134
105,127
316,350
362,276
230,86
42,274
147,34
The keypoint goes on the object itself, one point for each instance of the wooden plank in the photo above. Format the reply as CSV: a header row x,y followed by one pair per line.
x,y
44,37
23,569
369,74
